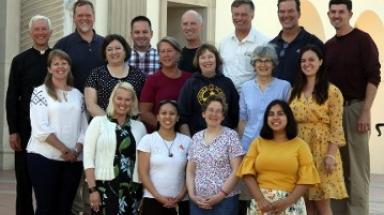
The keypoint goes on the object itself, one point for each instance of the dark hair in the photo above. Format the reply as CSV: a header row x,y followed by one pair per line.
x,y
143,19
211,48
298,4
347,3
215,98
237,3
80,3
111,37
320,91
176,106
48,78
291,128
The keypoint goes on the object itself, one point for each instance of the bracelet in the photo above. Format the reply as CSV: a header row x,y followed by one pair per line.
x,y
223,192
330,156
92,190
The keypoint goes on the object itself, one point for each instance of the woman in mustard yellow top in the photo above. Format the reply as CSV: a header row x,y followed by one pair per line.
x,y
278,168
318,108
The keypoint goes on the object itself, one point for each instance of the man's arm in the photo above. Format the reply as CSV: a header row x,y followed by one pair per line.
x,y
364,122
12,104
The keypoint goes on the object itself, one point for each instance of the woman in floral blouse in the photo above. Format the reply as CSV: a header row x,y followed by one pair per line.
x,y
110,154
213,158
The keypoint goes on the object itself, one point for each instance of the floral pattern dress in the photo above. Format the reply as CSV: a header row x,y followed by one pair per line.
x,y
121,196
320,125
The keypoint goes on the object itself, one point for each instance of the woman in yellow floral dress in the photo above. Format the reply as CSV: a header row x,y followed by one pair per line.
x,y
318,109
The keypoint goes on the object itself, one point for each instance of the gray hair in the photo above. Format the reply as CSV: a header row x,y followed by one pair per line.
x,y
128,87
171,41
264,51
39,17
197,15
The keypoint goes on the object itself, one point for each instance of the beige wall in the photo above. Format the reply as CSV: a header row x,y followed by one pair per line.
x,y
368,15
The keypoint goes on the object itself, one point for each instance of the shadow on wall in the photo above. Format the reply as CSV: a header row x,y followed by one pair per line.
x,y
311,20
370,22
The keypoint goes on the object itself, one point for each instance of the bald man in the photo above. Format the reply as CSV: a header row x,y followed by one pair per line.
x,y
191,25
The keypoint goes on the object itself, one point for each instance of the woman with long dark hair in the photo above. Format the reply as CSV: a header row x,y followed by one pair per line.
x,y
318,108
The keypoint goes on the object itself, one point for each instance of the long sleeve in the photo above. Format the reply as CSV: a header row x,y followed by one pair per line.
x,y
185,102
12,97
90,141
243,106
40,122
370,60
83,123
335,103
233,112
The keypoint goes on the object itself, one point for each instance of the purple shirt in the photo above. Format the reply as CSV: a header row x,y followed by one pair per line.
x,y
213,161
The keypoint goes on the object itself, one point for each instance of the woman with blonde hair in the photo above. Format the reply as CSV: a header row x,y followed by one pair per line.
x,y
110,155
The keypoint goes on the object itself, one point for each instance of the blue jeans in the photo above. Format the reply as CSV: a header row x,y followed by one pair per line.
x,y
54,182
229,206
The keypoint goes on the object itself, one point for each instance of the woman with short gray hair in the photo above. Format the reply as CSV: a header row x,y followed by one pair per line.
x,y
257,93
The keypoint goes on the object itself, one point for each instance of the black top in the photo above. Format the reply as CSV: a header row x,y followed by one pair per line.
x,y
196,91
288,54
186,61
103,82
85,56
28,70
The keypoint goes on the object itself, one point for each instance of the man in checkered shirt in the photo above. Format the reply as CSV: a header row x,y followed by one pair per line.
x,y
143,56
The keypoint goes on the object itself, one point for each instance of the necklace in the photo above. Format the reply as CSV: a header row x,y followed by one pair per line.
x,y
169,148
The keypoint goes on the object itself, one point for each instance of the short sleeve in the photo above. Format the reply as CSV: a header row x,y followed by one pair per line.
x,y
247,166
192,147
235,149
335,103
148,91
145,144
307,171
92,79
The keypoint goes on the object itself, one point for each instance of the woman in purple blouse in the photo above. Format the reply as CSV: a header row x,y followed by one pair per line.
x,y
213,159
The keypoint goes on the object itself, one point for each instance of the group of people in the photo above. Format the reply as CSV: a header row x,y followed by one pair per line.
x,y
256,126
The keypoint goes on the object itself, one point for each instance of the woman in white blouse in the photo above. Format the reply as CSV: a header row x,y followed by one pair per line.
x,y
162,161
110,155
58,121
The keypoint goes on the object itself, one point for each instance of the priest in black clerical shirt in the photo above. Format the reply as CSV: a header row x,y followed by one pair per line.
x,y
28,70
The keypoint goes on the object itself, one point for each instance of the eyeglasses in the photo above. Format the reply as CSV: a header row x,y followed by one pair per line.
x,y
265,61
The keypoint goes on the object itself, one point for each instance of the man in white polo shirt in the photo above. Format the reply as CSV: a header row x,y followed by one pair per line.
x,y
236,48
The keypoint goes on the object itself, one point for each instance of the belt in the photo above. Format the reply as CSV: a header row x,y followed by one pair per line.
x,y
351,101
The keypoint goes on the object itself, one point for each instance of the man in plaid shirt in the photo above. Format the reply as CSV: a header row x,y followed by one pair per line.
x,y
143,56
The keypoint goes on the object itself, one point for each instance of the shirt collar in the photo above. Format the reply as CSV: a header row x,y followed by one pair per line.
x,y
298,37
251,37
80,39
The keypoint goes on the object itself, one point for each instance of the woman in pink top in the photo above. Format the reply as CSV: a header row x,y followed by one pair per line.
x,y
164,84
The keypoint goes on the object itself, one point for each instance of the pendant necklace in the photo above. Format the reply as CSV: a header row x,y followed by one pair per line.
x,y
170,154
